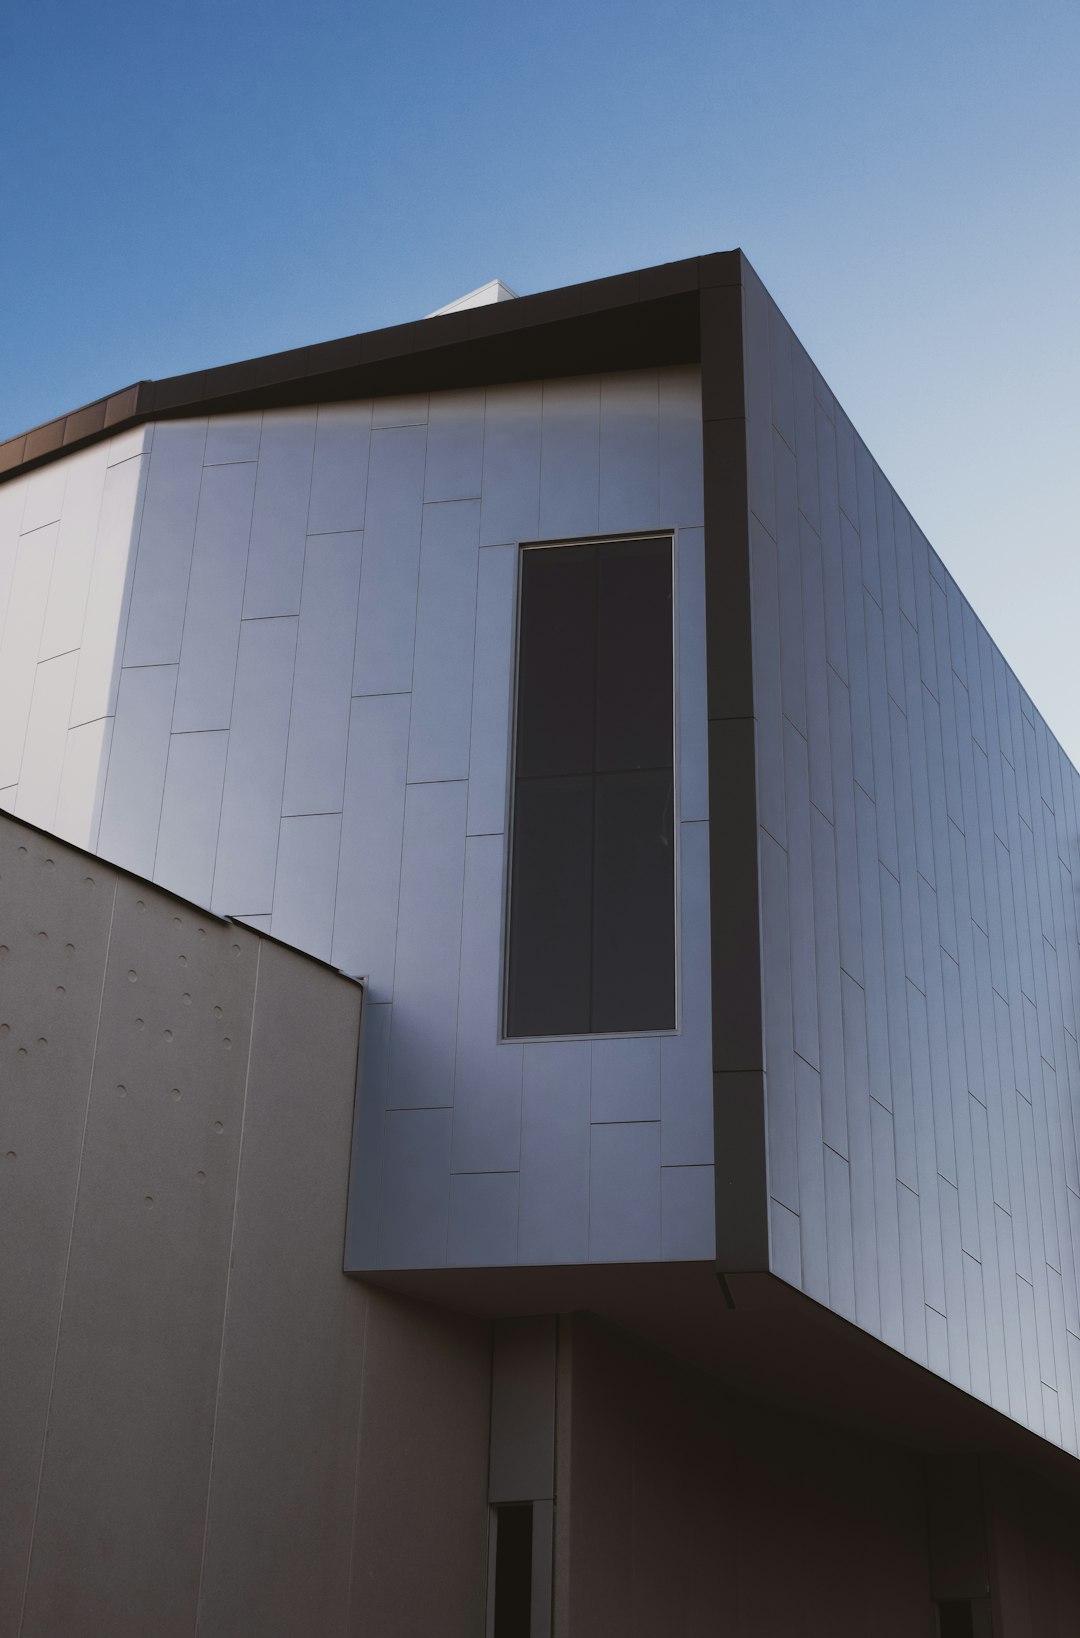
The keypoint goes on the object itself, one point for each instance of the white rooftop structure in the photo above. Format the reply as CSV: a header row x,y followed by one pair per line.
x,y
494,290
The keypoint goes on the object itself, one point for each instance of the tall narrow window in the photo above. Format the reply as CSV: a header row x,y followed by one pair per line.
x,y
592,890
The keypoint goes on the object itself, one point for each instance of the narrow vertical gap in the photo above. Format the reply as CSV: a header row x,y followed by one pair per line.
x,y
593,783
512,1590
228,1293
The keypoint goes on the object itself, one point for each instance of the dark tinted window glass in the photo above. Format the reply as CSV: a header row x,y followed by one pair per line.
x,y
592,896
513,1571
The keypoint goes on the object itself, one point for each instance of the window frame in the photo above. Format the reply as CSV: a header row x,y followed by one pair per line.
x,y
611,539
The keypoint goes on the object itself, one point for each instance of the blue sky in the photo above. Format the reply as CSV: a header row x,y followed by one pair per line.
x,y
190,183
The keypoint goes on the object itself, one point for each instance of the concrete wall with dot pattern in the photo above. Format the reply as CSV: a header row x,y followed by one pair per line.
x,y
185,1371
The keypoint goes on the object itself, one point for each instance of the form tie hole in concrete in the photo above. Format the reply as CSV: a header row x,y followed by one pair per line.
x,y
50,864
22,853
88,881
218,1126
69,950
218,1013
60,990
22,1053
186,999
133,977
121,1091
183,961
140,905
201,1176
5,1029
176,1094
227,1044
177,922
10,1155
236,949
140,1023
43,937
202,932
148,1202
42,1042
4,952
168,1034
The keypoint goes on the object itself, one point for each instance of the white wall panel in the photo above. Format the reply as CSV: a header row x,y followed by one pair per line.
x,y
626,1080
624,1193
511,499
74,558
255,770
82,782
428,947
44,496
688,1213
215,596
110,590
307,882
339,470
387,616
46,740
482,1231
191,813
12,500
630,452
442,686
415,1188
319,724
232,438
570,459
279,520
167,533
686,1058
131,812
369,874
692,707
20,643
680,446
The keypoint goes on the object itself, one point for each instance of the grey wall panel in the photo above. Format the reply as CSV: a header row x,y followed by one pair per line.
x,y
624,1193
680,443
685,1058
625,1080
82,782
46,739
74,556
482,1231
629,448
369,1109
492,690
487,1071
190,813
414,1188
131,808
108,599
406,409
307,881
279,519
442,682
455,448
510,508
21,641
570,459
428,946
319,719
365,924
232,438
255,771
691,714
555,1142
339,469
387,617
166,536
215,597
687,1213
934,907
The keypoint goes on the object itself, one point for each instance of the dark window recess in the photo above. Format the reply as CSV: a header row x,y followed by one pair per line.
x,y
513,1571
956,1618
592,892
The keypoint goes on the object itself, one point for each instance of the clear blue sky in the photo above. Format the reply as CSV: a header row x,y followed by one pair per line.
x,y
185,184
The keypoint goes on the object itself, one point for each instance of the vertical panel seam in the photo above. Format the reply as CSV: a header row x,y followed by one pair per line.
x,y
67,1258
228,1293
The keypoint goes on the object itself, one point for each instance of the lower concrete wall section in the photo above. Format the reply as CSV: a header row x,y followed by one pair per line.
x,y
205,1427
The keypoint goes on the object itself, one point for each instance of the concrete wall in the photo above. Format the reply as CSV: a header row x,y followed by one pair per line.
x,y
310,729
921,970
204,1425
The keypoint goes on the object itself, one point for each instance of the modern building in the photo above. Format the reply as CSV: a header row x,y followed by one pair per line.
x,y
564,669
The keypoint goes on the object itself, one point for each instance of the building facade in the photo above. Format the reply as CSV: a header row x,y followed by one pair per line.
x,y
566,670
